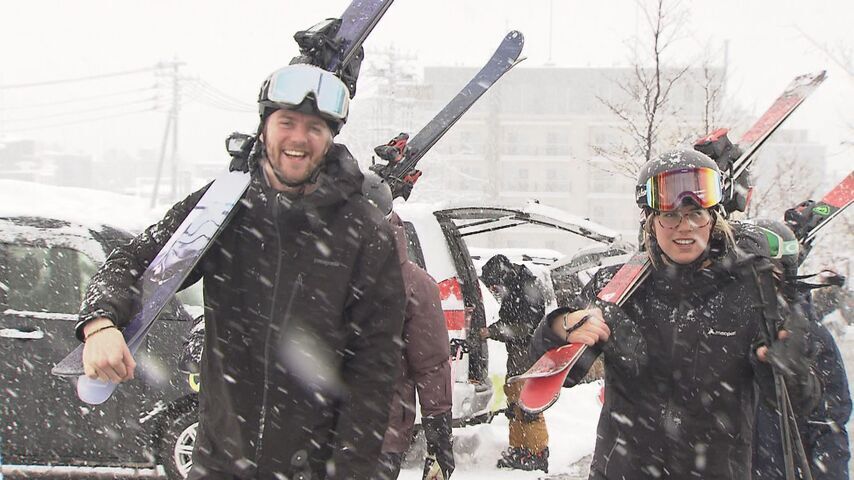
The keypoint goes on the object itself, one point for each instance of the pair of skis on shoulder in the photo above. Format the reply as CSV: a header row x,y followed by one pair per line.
x,y
544,380
173,264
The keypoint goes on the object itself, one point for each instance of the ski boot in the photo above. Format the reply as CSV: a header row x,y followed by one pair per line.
x,y
523,459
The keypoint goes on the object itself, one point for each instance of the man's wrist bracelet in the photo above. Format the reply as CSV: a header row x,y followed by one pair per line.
x,y
106,327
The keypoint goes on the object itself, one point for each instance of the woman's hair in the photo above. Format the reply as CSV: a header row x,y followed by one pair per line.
x,y
721,239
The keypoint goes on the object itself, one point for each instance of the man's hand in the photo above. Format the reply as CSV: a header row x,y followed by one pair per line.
x,y
762,352
591,331
105,354
484,333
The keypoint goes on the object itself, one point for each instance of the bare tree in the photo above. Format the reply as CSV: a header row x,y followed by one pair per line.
x,y
712,81
779,184
647,90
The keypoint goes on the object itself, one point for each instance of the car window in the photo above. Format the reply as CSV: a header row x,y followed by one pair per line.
x,y
413,245
44,279
192,298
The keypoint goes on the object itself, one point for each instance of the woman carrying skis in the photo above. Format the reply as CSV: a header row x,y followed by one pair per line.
x,y
682,355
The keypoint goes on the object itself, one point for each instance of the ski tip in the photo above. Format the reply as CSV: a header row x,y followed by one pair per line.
x,y
516,34
811,78
94,392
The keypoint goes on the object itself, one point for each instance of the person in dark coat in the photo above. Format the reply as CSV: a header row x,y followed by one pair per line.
x,y
425,368
684,353
824,434
522,308
303,303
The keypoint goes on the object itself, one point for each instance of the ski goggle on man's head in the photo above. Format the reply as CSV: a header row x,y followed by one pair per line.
x,y
289,86
778,247
666,191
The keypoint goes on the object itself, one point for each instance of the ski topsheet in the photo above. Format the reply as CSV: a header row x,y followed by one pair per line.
x,y
827,208
544,380
504,58
164,276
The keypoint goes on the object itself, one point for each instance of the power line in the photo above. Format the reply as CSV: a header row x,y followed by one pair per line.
x,y
159,66
226,101
152,88
88,120
207,97
85,110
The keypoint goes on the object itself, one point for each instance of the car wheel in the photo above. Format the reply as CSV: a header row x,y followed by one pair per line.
x,y
176,444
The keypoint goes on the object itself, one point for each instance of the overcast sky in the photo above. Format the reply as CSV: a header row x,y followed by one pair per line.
x,y
232,46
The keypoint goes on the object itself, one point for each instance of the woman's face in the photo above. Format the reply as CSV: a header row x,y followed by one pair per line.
x,y
683,234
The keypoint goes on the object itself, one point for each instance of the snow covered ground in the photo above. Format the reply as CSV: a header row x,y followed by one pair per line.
x,y
572,434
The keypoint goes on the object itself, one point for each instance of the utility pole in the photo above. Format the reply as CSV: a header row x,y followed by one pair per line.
x,y
171,125
551,31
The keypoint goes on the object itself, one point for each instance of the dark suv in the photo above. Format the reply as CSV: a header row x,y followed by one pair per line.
x,y
45,266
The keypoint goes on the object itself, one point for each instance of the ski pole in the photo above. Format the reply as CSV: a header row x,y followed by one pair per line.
x,y
799,445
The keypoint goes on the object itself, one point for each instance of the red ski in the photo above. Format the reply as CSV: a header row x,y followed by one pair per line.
x,y
809,217
544,380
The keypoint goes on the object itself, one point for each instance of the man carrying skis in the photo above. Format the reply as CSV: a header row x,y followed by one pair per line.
x,y
823,432
424,360
522,307
303,301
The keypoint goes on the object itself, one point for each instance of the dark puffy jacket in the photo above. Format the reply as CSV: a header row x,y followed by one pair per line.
x,y
823,432
522,309
303,301
680,371
425,366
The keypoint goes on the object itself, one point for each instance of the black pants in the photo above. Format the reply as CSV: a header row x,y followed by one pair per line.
x,y
389,466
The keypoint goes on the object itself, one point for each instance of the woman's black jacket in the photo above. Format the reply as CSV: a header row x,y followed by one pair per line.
x,y
680,373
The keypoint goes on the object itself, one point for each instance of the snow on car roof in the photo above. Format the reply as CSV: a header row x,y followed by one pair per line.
x,y
83,206
567,217
539,256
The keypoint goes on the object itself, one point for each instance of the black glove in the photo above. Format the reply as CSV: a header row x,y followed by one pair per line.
x,y
440,451
794,357
720,149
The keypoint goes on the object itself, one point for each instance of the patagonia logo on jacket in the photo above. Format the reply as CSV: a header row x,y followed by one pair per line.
x,y
720,333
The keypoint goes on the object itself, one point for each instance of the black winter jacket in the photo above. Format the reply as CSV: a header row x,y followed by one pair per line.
x,y
303,301
679,374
